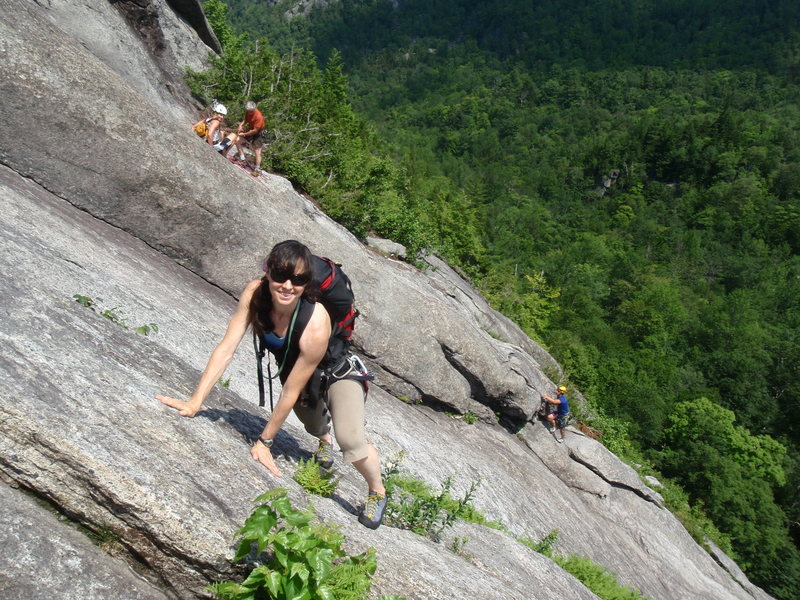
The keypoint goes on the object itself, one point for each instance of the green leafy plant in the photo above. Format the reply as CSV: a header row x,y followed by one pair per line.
x,y
412,402
614,432
105,538
596,578
146,329
457,546
416,506
552,372
497,336
86,301
543,546
348,581
468,417
314,479
693,517
226,383
588,572
113,314
305,560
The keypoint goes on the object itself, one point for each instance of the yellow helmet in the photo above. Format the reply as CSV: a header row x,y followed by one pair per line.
x,y
562,388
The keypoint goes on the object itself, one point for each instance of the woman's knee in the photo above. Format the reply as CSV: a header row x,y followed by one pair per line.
x,y
353,450
315,419
346,403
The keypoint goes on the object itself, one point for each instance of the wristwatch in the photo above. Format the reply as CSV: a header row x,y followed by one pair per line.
x,y
267,443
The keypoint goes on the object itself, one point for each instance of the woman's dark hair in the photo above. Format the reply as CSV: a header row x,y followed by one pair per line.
x,y
284,256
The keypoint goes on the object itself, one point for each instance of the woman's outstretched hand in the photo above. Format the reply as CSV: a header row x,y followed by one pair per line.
x,y
263,455
184,408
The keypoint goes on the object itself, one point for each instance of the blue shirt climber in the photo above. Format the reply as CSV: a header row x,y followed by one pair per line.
x,y
560,414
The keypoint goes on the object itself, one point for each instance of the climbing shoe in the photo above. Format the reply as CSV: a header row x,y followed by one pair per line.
x,y
324,454
372,515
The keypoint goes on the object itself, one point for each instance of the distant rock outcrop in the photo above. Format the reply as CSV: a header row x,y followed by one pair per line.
x,y
606,182
104,199
386,247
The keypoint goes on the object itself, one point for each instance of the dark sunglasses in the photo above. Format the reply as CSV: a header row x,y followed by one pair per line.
x,y
279,276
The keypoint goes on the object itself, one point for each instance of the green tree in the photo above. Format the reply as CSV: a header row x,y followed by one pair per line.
x,y
216,12
735,474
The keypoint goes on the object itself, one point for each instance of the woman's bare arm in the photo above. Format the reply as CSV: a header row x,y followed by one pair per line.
x,y
313,344
220,358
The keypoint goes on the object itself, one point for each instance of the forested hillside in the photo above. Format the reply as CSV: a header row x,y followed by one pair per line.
x,y
486,130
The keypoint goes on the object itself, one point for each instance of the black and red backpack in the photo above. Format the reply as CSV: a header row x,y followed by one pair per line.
x,y
337,297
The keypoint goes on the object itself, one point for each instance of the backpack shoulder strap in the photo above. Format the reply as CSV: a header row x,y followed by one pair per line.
x,y
258,346
260,351
327,282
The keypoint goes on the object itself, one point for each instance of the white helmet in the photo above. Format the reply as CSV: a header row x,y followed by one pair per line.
x,y
219,108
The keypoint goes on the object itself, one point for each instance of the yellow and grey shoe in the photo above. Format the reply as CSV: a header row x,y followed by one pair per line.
x,y
324,454
372,515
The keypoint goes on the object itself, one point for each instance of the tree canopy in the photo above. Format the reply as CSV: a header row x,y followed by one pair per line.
x,y
621,178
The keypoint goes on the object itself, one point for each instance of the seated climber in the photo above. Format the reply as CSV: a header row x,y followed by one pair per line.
x,y
211,128
253,135
281,308
559,415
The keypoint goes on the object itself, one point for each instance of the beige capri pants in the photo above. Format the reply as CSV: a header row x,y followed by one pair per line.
x,y
344,406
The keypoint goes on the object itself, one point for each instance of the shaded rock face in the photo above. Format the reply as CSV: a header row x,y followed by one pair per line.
x,y
165,231
191,12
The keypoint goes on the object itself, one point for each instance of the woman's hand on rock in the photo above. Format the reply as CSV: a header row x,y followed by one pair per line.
x,y
263,455
184,408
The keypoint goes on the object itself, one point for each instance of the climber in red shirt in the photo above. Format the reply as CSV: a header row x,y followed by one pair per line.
x,y
253,135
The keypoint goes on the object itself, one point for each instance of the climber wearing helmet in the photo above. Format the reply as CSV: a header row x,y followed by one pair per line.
x,y
211,129
559,416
